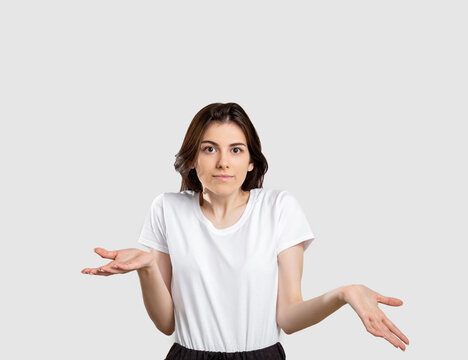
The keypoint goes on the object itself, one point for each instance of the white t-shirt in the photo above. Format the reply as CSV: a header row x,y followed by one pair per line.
x,y
225,281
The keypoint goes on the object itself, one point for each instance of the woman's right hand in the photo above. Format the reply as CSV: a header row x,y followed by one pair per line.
x,y
122,262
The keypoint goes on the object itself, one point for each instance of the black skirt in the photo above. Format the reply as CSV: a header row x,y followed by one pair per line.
x,y
179,352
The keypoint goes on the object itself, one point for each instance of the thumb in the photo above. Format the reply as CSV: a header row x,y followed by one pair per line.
x,y
105,254
387,300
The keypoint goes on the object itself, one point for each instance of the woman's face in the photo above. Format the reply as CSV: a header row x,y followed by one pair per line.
x,y
223,151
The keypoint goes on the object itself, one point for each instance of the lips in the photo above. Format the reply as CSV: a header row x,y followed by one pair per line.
x,y
222,177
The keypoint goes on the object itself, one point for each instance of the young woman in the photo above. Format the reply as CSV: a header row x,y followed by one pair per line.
x,y
225,263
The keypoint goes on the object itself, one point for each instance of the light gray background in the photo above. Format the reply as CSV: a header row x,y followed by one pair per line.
x,y
361,109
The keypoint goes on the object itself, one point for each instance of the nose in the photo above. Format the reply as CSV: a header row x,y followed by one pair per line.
x,y
223,160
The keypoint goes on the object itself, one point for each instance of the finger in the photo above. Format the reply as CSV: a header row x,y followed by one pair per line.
x,y
383,332
395,330
391,338
371,328
121,268
89,271
376,328
105,253
97,272
389,300
111,268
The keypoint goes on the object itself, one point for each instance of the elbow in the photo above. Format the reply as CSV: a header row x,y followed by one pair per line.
x,y
165,329
287,331
286,316
283,327
171,331
167,332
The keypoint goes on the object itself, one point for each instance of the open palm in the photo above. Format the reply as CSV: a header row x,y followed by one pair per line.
x,y
123,261
365,302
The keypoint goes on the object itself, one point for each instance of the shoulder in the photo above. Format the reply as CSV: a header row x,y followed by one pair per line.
x,y
280,201
170,198
273,196
275,201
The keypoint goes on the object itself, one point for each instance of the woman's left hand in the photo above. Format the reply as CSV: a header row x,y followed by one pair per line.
x,y
365,302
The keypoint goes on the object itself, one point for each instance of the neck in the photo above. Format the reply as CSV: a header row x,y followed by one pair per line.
x,y
220,205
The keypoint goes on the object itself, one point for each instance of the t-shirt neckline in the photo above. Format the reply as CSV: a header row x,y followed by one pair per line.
x,y
229,229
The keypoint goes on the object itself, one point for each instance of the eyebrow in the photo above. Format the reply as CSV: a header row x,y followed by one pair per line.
x,y
212,142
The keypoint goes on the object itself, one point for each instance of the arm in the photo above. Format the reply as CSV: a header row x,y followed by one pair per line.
x,y
155,271
302,314
293,313
155,282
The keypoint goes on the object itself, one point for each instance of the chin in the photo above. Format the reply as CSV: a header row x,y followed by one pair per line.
x,y
224,189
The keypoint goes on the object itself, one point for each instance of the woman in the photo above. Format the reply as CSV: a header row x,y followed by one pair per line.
x,y
226,255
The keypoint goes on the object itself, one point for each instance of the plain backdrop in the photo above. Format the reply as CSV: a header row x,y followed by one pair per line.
x,y
361,107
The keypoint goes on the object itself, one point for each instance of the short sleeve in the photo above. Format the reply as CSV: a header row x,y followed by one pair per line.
x,y
153,232
292,224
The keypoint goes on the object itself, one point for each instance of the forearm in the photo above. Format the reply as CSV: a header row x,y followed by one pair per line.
x,y
300,315
157,299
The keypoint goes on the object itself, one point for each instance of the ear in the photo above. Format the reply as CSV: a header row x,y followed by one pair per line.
x,y
193,162
251,166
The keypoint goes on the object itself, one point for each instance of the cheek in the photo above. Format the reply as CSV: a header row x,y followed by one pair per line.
x,y
203,167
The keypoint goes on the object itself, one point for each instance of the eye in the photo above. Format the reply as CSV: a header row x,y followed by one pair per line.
x,y
204,149
211,147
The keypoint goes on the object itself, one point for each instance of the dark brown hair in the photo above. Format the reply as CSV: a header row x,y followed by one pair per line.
x,y
221,113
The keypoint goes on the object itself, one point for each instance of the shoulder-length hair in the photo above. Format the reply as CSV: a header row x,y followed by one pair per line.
x,y
221,113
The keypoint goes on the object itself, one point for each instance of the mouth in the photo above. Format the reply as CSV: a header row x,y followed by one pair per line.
x,y
222,177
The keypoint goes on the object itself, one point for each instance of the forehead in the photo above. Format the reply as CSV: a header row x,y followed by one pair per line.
x,y
225,132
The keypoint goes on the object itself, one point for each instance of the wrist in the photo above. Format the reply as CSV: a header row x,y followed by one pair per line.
x,y
148,269
344,293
